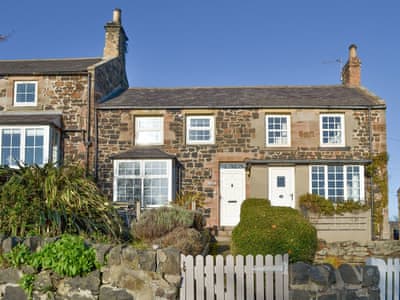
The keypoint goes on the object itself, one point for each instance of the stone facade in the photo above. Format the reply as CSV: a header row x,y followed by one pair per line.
x,y
239,136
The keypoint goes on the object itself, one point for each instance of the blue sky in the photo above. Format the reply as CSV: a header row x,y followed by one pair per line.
x,y
224,43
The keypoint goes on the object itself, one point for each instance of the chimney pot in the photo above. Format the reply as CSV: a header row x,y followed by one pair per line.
x,y
352,51
117,16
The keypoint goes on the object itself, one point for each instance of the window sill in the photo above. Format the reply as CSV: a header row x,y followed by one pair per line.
x,y
280,148
334,148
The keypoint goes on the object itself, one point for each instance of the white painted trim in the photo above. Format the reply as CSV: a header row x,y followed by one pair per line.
x,y
289,135
15,103
211,128
343,131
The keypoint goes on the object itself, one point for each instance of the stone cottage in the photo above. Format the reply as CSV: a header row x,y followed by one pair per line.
x,y
229,143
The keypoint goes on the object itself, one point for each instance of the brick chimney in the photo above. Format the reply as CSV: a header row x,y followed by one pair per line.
x,y
116,39
351,72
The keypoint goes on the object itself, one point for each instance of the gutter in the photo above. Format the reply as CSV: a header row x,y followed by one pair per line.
x,y
118,107
88,141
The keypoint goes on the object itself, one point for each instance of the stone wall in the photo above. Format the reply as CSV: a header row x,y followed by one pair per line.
x,y
356,252
127,274
325,282
239,136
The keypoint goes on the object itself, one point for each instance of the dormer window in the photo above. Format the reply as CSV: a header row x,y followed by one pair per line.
x,y
25,93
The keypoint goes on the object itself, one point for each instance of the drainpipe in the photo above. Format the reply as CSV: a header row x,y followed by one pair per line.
x,y
371,180
88,141
96,151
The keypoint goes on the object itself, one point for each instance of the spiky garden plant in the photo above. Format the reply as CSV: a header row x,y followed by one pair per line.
x,y
52,200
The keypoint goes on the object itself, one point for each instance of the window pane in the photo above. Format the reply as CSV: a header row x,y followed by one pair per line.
x,y
11,146
148,130
332,130
353,183
129,168
278,130
335,183
200,129
155,191
34,146
128,190
318,180
25,92
199,122
199,135
155,168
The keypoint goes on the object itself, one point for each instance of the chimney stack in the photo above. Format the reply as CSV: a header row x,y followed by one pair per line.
x,y
351,72
115,40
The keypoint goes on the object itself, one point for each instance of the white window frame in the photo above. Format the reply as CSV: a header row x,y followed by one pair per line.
x,y
211,128
23,130
138,130
288,130
142,176
342,130
34,103
345,189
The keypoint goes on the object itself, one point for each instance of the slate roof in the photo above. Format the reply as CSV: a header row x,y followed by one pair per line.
x,y
245,97
46,66
143,152
30,119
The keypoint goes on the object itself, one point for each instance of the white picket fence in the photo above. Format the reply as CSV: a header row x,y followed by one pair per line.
x,y
389,273
206,278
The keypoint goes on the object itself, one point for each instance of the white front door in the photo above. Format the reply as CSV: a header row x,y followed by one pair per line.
x,y
281,186
232,192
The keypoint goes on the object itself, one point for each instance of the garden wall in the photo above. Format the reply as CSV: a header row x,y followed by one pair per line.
x,y
128,273
356,252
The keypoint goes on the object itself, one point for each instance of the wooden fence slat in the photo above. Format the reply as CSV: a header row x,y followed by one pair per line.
x,y
249,277
219,278
182,290
209,284
286,276
239,269
189,266
396,284
269,278
389,278
230,277
278,278
199,277
259,270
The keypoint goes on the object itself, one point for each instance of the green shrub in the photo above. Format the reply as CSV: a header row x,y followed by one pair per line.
x,y
157,222
18,256
52,200
253,204
68,256
265,229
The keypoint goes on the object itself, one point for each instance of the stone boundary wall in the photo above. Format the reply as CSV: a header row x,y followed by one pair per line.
x,y
356,252
324,282
128,273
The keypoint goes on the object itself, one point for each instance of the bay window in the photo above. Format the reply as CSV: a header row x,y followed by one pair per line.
x,y
28,145
147,181
338,183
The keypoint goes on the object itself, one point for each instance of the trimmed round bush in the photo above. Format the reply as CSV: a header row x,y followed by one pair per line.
x,y
186,240
265,229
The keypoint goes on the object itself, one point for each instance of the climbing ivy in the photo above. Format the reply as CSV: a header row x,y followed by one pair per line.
x,y
320,205
377,170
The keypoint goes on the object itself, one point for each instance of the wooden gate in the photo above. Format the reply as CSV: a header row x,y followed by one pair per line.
x,y
389,277
259,278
